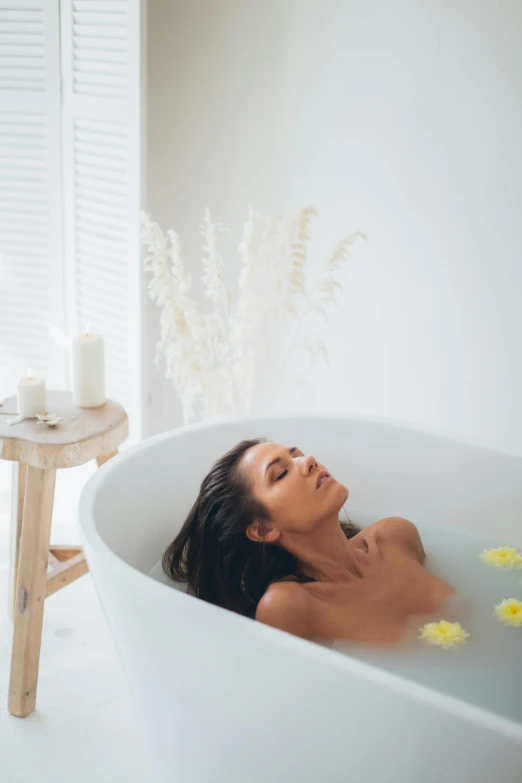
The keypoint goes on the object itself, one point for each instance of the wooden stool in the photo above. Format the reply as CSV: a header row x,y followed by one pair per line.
x,y
36,569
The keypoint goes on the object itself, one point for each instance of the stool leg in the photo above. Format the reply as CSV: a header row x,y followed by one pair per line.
x,y
105,458
17,510
31,589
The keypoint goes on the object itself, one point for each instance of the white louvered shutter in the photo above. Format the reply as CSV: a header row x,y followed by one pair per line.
x,y
102,190
31,269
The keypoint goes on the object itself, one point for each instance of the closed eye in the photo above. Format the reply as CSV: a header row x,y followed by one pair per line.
x,y
283,474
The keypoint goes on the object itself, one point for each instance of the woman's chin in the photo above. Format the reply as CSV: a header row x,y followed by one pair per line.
x,y
344,492
340,493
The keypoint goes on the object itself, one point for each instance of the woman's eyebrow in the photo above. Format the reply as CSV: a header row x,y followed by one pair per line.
x,y
278,459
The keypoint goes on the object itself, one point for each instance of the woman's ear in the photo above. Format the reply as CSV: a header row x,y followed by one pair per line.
x,y
262,533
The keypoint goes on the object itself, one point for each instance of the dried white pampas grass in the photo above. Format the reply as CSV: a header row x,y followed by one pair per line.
x,y
236,358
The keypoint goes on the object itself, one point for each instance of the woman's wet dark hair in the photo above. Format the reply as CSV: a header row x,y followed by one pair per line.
x,y
212,552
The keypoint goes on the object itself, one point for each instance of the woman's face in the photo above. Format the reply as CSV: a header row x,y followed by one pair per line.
x,y
298,492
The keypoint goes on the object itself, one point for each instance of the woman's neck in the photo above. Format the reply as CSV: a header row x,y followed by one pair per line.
x,y
324,554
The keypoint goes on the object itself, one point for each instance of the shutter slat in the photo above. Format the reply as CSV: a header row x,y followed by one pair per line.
x,y
88,181
113,146
103,78
108,157
108,57
83,31
39,337
100,206
91,247
111,6
21,145
31,270
32,122
26,86
104,267
102,297
112,149
10,217
23,26
100,45
105,21
10,244
22,137
28,257
21,39
21,127
38,307
98,66
28,151
26,207
39,166
20,15
97,91
21,62
102,129
10,49
106,222
31,75
9,181
97,239
97,171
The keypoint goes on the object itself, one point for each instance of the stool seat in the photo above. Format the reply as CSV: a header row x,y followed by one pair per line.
x,y
84,433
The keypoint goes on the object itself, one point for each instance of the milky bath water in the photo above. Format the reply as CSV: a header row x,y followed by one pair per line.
x,y
486,671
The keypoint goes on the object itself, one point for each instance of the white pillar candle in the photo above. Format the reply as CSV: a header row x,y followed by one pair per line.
x,y
31,396
88,371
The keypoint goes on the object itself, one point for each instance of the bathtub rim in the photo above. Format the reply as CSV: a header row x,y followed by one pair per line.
x,y
95,543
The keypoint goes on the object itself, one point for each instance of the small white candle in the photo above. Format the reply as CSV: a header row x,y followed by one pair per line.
x,y
88,371
30,396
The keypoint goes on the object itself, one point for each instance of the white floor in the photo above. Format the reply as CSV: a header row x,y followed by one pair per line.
x,y
83,729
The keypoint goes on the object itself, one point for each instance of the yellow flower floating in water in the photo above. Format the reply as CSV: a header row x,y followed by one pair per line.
x,y
509,612
502,557
444,634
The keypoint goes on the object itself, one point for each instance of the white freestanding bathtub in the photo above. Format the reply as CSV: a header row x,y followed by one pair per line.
x,y
223,699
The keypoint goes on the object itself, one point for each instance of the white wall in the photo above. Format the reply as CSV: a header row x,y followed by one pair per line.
x,y
401,119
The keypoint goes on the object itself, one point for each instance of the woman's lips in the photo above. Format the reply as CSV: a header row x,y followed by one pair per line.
x,y
323,478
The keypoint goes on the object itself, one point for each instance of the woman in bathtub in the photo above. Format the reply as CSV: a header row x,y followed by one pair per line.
x,y
264,539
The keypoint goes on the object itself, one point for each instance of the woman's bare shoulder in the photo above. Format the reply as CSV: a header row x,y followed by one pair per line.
x,y
286,605
401,532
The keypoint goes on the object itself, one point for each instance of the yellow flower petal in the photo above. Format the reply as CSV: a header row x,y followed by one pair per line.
x,y
443,634
502,557
509,612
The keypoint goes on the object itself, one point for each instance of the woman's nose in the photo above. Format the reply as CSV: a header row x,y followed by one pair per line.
x,y
309,464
